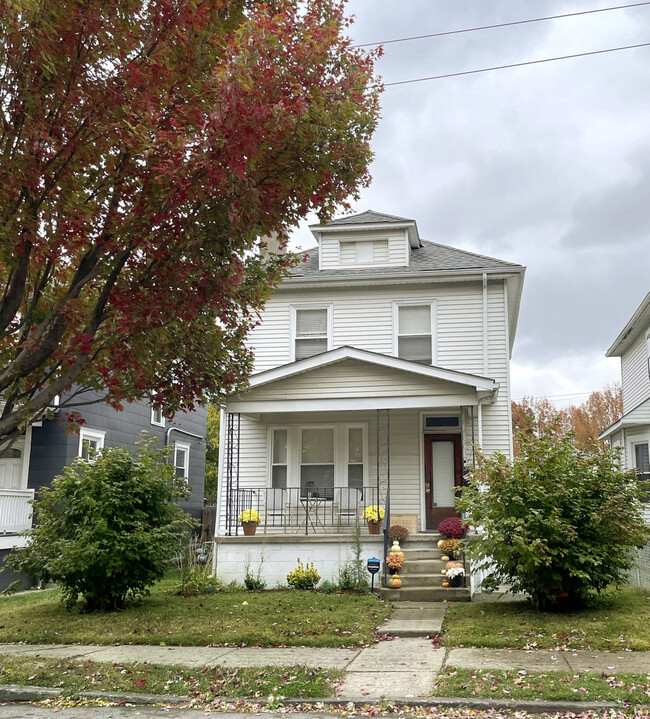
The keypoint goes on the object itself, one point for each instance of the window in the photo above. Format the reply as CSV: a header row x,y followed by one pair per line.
x,y
317,462
279,459
311,331
363,253
182,459
356,444
157,416
414,332
90,442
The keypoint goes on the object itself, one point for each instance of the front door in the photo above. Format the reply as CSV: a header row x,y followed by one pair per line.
x,y
443,476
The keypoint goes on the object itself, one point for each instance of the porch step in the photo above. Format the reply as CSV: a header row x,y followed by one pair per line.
x,y
426,594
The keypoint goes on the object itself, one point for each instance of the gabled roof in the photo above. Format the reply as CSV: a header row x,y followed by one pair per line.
x,y
375,358
639,322
637,417
430,257
370,219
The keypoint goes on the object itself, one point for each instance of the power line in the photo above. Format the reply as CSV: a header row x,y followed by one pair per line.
x,y
512,65
502,24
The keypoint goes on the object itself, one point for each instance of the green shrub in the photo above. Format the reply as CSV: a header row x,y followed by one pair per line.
x,y
107,527
558,523
304,576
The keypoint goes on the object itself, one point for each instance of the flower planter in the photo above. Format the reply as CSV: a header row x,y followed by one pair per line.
x,y
455,581
249,528
373,527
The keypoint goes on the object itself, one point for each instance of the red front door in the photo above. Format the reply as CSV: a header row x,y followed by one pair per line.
x,y
443,476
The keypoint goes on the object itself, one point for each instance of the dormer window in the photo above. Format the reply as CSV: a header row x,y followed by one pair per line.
x,y
311,331
363,252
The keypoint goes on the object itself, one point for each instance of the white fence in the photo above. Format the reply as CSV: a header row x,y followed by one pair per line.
x,y
15,512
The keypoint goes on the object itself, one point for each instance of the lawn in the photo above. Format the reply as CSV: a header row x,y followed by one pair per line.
x,y
547,686
272,618
622,623
77,675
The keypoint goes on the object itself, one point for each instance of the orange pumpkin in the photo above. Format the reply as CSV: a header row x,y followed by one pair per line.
x,y
449,565
445,583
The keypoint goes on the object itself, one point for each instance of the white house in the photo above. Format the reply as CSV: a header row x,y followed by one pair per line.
x,y
381,365
632,432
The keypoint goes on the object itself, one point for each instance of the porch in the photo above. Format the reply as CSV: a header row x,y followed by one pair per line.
x,y
15,510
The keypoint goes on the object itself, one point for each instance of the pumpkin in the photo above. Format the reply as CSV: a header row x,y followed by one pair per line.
x,y
444,558
445,583
443,571
449,565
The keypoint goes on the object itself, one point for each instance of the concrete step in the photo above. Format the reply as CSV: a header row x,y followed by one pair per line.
x,y
422,566
421,554
420,580
426,594
415,619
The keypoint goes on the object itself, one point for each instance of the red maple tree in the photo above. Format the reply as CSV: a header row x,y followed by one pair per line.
x,y
146,146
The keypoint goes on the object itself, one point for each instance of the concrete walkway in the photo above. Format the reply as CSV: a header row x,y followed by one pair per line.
x,y
404,667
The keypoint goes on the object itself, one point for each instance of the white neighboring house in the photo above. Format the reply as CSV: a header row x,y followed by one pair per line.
x,y
632,432
381,364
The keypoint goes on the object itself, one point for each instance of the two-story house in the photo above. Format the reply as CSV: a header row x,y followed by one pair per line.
x,y
381,366
46,448
632,432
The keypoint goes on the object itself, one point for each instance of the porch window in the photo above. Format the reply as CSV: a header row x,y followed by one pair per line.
x,y
90,442
317,462
182,459
414,332
311,336
355,457
279,459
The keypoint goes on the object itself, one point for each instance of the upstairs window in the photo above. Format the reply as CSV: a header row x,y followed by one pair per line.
x,y
312,333
363,253
157,416
414,332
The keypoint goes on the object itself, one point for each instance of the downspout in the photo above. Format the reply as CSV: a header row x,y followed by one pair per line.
x,y
182,431
485,325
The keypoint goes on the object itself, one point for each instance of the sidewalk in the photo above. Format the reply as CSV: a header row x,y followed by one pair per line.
x,y
403,668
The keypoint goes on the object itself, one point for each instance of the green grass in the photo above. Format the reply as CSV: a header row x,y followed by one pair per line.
x,y
76,675
275,618
547,686
621,623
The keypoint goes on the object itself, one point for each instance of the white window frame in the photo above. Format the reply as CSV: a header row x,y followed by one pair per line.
x,y
320,306
154,409
415,303
364,456
270,463
90,435
183,447
365,240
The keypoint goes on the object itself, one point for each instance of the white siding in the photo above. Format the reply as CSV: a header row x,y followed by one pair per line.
x,y
398,252
351,378
634,374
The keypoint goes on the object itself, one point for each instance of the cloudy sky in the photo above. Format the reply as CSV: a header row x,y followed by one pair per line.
x,y
546,165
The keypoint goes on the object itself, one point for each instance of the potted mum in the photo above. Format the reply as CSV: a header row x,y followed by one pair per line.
x,y
373,516
455,575
249,519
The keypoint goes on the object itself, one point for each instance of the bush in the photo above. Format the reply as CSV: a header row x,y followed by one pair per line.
x,y
557,523
253,580
304,576
194,564
397,533
107,527
451,527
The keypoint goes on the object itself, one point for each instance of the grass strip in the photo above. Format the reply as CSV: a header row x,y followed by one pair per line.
x,y
233,618
548,686
76,675
622,622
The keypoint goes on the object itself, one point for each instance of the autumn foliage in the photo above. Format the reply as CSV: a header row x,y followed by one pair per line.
x,y
586,421
145,148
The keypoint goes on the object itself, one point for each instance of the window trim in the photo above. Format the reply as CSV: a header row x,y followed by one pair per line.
x,y
433,304
270,463
185,447
293,325
363,426
85,433
157,408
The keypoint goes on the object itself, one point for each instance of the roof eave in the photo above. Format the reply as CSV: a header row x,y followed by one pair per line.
x,y
629,332
410,226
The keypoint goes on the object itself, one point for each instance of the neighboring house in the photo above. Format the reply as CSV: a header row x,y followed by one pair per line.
x,y
45,449
632,432
381,365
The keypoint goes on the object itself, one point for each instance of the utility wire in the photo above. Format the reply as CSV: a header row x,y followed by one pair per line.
x,y
502,24
515,64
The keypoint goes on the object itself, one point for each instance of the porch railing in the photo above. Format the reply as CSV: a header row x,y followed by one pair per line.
x,y
14,510
313,510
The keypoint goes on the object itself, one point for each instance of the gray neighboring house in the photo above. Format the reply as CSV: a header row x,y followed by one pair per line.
x,y
45,449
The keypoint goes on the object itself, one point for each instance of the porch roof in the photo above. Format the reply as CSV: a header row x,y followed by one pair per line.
x,y
638,417
348,378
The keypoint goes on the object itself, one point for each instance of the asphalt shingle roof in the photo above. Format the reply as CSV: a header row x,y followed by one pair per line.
x,y
368,217
431,257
